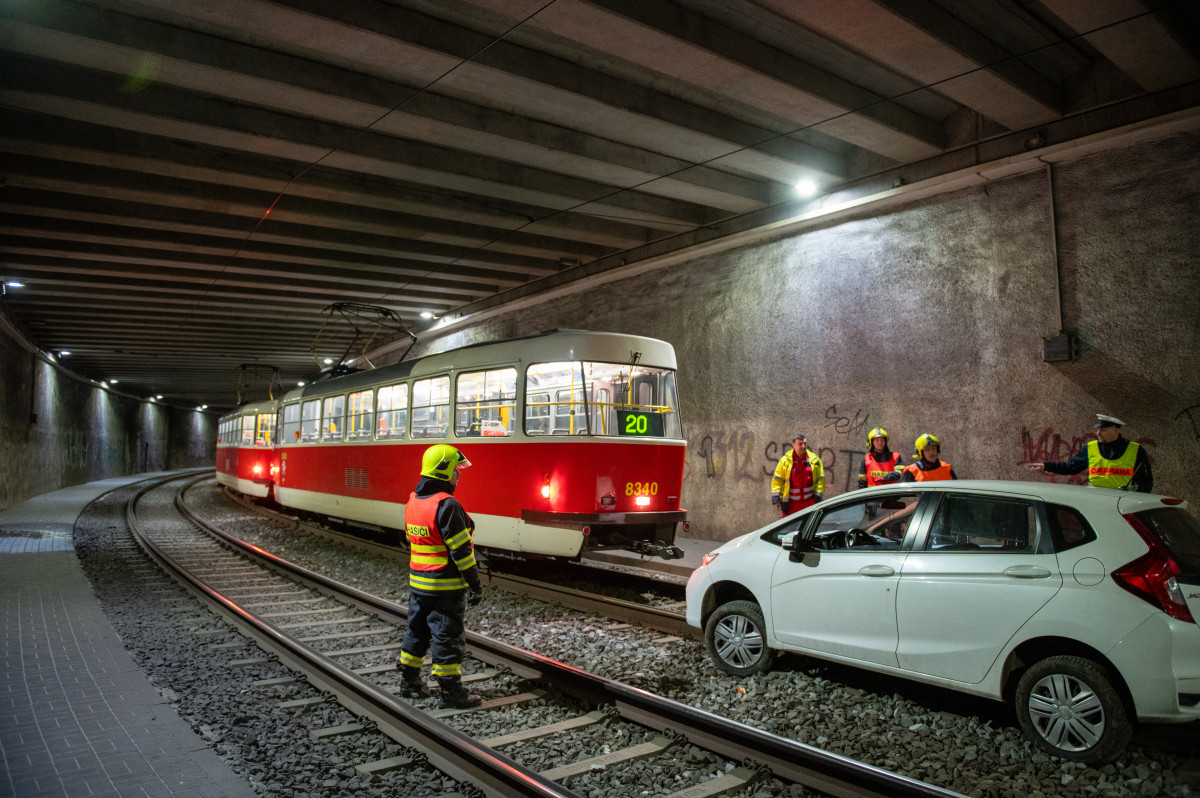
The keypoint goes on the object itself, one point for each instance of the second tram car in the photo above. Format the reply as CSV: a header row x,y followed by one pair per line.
x,y
574,438
246,458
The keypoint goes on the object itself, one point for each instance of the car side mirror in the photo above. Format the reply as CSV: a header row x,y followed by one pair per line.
x,y
794,543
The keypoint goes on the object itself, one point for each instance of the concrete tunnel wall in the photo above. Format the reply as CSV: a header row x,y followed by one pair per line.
x,y
928,318
57,430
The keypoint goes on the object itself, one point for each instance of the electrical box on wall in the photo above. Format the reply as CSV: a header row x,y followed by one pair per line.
x,y
1060,347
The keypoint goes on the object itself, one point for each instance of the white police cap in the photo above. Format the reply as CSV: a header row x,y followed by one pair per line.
x,y
1108,421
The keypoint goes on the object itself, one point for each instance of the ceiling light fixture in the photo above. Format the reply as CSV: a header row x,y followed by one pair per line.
x,y
425,314
64,353
806,188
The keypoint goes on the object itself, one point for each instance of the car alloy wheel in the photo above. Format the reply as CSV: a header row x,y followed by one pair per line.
x,y
1068,707
736,639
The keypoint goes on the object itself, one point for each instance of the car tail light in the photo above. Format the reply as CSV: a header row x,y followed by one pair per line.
x,y
1151,577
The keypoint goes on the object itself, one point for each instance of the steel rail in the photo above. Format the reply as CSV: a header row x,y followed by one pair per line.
x,y
788,759
672,623
447,749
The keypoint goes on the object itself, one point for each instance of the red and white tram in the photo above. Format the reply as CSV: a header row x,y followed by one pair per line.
x,y
246,457
574,438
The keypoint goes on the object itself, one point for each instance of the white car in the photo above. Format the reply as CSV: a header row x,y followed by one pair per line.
x,y
1077,605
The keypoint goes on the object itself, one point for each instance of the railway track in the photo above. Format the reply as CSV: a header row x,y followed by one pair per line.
x,y
667,618
342,641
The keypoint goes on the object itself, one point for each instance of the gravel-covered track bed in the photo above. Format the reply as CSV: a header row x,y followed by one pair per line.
x,y
965,744
658,760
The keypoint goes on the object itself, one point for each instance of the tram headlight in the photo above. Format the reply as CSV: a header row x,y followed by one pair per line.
x,y
546,491
642,501
257,469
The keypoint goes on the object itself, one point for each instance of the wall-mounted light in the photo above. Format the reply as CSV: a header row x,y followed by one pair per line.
x,y
328,361
113,382
158,396
10,284
425,314
300,384
64,353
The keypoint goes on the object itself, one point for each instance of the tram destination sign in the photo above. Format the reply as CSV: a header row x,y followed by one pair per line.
x,y
639,423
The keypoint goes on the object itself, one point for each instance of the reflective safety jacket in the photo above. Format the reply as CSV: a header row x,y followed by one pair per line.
x,y
879,472
914,473
781,482
437,564
1104,473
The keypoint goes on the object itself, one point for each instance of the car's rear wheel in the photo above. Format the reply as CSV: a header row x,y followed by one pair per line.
x,y
1068,706
736,638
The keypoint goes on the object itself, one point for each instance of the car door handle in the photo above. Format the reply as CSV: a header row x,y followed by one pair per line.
x,y
1027,572
876,570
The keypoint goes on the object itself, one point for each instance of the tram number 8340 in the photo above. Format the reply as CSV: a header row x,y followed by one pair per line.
x,y
641,488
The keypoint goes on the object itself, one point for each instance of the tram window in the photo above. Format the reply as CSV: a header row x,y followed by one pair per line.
x,y
291,423
484,403
362,413
392,412
248,430
310,421
568,413
537,414
619,391
554,399
265,432
431,407
333,418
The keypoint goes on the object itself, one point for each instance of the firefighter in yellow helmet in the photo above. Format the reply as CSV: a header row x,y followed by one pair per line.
x,y
880,465
928,466
1112,460
441,572
799,479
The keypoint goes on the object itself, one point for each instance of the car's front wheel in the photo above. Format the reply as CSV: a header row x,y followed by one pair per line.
x,y
737,640
1069,708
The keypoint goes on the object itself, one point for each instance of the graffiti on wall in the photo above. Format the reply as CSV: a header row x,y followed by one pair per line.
x,y
728,452
1191,413
737,454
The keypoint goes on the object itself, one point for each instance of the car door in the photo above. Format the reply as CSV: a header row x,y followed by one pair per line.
x,y
983,567
840,598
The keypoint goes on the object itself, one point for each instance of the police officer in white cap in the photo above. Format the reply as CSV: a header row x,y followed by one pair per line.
x,y
1112,461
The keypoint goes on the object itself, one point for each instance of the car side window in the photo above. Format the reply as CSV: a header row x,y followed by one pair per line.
x,y
965,522
875,524
1068,528
794,523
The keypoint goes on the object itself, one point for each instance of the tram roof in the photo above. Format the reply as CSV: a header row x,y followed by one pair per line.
x,y
546,346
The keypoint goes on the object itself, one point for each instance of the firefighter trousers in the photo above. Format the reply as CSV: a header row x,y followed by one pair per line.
x,y
435,621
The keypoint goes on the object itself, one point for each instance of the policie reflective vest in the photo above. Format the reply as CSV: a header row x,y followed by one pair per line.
x,y
941,472
430,568
1104,473
876,471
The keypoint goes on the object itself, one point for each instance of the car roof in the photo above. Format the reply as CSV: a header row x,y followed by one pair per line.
x,y
1046,491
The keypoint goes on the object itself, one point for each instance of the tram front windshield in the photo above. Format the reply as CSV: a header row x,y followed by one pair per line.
x,y
589,398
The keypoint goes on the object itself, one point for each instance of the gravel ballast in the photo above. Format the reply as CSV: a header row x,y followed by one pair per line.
x,y
959,742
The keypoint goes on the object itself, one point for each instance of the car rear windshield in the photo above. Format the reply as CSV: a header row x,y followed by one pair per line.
x,y
1180,531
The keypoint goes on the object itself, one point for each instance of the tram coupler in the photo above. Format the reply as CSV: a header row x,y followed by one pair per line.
x,y
657,549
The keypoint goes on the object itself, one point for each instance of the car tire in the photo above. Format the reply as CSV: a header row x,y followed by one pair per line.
x,y
736,637
1069,708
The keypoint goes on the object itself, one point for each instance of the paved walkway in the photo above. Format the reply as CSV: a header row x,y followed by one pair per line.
x,y
77,716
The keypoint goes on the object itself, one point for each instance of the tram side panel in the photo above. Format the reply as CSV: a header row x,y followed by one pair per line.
x,y
539,497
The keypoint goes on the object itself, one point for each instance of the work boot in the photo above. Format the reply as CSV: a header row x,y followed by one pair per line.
x,y
411,683
455,696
